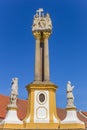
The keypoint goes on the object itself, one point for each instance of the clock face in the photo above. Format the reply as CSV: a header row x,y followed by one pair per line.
x,y
41,97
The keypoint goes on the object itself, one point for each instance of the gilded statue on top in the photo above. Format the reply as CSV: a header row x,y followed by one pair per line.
x,y
41,22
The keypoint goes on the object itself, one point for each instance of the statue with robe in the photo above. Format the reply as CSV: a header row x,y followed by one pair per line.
x,y
14,91
48,22
70,97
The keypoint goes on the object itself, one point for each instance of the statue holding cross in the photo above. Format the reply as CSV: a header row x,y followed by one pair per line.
x,y
41,22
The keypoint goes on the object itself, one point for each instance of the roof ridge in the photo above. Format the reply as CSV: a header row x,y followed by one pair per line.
x,y
82,114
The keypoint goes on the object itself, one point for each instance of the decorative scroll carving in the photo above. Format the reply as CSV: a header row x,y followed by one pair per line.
x,y
41,22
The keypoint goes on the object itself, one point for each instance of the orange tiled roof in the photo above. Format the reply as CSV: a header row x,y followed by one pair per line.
x,y
82,117
22,109
61,113
85,113
4,100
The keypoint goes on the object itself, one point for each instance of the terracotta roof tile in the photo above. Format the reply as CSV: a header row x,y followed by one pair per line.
x,y
85,113
22,107
4,100
82,117
61,113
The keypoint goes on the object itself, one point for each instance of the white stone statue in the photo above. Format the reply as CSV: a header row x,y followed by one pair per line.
x,y
41,22
14,92
48,22
69,90
70,97
35,22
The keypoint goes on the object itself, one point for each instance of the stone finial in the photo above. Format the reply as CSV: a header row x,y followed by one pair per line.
x,y
41,22
70,97
14,92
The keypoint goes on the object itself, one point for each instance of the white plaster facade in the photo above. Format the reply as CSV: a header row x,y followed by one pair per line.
x,y
71,117
41,110
11,118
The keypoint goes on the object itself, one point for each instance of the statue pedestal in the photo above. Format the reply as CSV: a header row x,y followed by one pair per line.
x,y
71,120
11,120
41,111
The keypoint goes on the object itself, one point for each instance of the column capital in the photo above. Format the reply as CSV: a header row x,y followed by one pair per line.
x,y
37,35
46,35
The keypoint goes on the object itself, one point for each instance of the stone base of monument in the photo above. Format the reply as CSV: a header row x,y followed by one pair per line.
x,y
71,120
41,112
11,120
47,126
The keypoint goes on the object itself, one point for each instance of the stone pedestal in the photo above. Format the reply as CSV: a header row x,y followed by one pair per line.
x,y
41,112
11,120
71,120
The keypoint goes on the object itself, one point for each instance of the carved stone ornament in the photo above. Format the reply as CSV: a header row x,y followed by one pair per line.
x,y
41,22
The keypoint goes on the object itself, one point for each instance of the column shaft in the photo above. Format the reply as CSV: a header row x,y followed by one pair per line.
x,y
46,60
37,61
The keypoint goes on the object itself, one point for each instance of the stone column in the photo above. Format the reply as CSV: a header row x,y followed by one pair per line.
x,y
46,56
37,35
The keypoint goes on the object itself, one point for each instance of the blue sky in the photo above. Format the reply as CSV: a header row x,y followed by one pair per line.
x,y
67,46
